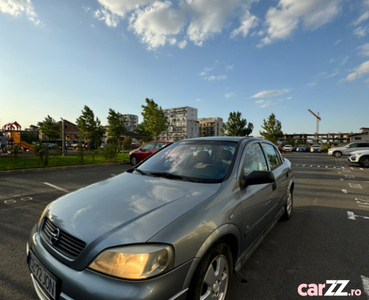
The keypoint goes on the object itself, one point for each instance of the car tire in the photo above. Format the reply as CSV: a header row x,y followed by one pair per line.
x,y
337,154
212,277
288,208
364,161
133,160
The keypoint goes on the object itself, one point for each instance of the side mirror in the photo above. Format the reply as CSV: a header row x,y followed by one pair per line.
x,y
258,177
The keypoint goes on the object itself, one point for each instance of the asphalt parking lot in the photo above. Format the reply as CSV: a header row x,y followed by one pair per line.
x,y
326,238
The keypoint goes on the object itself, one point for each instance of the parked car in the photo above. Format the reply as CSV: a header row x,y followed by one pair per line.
x,y
301,148
50,145
361,157
315,148
281,149
135,156
174,227
339,151
288,148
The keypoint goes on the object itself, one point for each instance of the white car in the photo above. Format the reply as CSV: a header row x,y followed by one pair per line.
x,y
346,150
361,157
288,148
315,148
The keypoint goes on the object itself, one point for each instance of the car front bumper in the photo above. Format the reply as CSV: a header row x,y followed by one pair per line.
x,y
353,159
88,284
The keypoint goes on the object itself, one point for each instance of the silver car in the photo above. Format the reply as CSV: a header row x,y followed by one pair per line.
x,y
175,226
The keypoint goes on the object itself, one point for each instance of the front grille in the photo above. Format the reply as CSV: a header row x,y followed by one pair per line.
x,y
65,243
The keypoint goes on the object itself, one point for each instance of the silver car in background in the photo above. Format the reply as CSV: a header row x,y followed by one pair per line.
x,y
176,226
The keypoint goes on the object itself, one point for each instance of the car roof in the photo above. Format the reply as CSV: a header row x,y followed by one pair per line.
x,y
235,139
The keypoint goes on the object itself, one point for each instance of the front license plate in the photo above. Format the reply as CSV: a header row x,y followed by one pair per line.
x,y
43,276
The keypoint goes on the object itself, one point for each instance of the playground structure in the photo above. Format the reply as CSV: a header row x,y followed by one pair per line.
x,y
13,130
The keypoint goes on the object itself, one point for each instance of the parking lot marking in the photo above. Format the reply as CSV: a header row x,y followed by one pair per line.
x,y
56,187
355,186
350,176
26,198
365,281
11,201
351,215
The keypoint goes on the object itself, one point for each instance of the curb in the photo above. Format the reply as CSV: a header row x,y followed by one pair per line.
x,y
46,169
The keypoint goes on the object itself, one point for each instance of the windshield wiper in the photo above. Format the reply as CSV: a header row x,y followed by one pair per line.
x,y
171,176
140,171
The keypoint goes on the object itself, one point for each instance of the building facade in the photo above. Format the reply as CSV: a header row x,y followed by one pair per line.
x,y
211,126
132,122
363,136
182,124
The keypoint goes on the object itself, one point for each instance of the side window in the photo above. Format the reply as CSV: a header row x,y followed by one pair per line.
x,y
273,157
253,159
148,146
160,145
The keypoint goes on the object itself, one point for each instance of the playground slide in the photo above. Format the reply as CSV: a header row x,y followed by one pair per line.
x,y
25,145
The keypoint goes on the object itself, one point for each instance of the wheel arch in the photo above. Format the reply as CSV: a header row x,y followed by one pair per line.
x,y
227,233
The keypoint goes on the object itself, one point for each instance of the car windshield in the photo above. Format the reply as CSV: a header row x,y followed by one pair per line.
x,y
197,161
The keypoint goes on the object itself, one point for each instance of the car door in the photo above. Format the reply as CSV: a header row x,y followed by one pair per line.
x,y
256,199
146,150
281,173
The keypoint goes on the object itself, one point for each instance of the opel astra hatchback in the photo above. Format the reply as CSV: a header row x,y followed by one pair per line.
x,y
175,226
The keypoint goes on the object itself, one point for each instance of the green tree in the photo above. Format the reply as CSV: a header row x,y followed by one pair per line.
x,y
50,129
117,125
236,125
272,129
90,128
154,119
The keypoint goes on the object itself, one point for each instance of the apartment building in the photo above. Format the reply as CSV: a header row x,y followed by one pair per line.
x,y
132,122
182,124
211,126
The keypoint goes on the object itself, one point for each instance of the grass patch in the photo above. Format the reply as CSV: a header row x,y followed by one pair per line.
x,y
29,162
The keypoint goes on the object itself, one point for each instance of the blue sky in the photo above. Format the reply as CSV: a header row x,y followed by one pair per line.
x,y
256,57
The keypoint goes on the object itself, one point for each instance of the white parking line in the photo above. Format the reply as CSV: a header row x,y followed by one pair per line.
x,y
351,215
365,281
355,186
56,187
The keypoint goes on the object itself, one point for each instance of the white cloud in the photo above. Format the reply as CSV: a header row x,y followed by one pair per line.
x,y
263,103
158,24
289,14
230,67
364,50
207,17
362,18
358,72
361,31
272,93
17,8
229,95
121,8
248,22
219,78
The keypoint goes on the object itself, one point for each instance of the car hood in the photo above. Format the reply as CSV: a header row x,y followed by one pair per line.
x,y
129,208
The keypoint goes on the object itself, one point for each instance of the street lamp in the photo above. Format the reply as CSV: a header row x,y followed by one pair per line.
x,y
63,137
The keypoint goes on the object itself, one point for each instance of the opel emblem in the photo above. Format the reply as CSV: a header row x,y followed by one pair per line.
x,y
54,237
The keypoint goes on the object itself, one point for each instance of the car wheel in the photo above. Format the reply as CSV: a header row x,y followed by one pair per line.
x,y
213,276
337,154
364,161
134,160
288,207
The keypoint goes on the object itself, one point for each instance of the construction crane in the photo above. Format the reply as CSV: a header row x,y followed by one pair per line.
x,y
318,119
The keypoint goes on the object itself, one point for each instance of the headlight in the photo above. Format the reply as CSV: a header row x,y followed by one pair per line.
x,y
43,215
134,262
